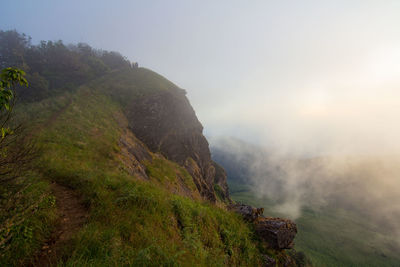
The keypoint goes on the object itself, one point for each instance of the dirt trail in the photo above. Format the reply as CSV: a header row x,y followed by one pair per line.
x,y
57,114
50,120
72,215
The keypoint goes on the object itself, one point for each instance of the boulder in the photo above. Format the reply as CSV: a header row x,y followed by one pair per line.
x,y
277,232
249,213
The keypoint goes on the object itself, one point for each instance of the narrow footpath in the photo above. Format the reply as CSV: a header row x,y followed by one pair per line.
x,y
72,215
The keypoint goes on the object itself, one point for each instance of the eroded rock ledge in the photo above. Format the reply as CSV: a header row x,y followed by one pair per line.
x,y
277,232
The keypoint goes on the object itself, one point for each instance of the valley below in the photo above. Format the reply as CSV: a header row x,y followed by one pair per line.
x,y
342,214
332,237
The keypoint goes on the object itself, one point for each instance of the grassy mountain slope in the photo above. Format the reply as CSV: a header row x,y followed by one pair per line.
x,y
91,113
131,221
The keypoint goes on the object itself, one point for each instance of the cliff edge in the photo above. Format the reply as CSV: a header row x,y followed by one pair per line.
x,y
166,123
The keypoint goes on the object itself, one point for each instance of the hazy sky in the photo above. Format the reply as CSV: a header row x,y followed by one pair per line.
x,y
304,76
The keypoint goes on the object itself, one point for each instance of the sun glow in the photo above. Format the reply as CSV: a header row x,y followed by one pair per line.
x,y
314,103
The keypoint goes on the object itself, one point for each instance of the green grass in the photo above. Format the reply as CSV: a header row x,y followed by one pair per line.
x,y
27,206
27,217
131,222
332,237
124,86
169,173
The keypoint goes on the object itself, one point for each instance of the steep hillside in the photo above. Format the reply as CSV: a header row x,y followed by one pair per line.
x,y
148,213
161,116
123,174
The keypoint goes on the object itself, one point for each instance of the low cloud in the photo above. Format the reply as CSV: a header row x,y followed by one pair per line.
x,y
366,185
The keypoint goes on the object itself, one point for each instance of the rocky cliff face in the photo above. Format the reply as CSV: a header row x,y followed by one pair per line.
x,y
166,122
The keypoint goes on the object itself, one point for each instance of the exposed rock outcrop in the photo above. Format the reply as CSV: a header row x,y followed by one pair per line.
x,y
249,213
134,156
166,122
277,232
133,153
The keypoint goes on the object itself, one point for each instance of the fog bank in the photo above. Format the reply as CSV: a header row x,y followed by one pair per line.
x,y
365,185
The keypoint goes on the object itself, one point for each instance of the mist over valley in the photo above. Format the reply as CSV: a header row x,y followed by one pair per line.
x,y
358,193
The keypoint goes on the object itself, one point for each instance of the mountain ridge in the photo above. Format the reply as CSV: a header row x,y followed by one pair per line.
x,y
155,198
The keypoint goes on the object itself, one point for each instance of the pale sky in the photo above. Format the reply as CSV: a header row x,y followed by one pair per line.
x,y
304,76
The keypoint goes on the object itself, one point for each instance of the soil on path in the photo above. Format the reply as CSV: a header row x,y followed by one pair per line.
x,y
72,215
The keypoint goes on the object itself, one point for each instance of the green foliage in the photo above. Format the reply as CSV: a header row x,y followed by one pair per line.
x,y
9,77
54,67
12,47
15,153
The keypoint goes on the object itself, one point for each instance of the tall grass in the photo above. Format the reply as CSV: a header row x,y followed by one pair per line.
x,y
27,218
